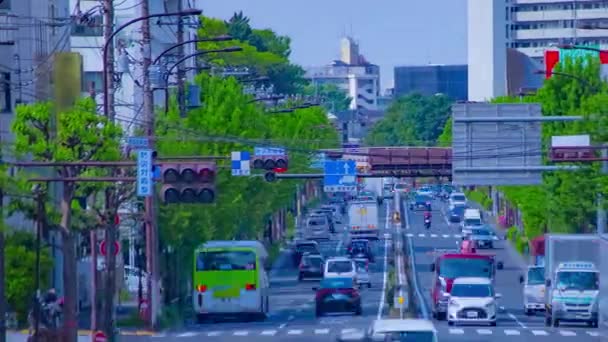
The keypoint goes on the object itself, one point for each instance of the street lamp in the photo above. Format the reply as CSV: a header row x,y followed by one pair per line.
x,y
106,105
221,38
198,53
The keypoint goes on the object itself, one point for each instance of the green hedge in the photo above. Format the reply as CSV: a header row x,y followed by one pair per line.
x,y
480,197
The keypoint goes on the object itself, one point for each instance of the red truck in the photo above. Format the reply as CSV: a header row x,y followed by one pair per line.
x,y
450,266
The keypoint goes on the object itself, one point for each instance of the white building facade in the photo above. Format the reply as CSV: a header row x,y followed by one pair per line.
x,y
536,25
353,74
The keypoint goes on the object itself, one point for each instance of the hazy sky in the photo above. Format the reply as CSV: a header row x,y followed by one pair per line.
x,y
389,32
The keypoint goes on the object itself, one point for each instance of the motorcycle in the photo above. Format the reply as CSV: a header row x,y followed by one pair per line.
x,y
427,223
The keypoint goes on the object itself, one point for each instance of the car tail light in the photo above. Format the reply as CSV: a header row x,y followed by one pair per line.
x,y
322,292
201,288
250,287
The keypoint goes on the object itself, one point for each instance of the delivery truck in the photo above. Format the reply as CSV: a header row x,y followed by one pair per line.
x,y
363,219
572,278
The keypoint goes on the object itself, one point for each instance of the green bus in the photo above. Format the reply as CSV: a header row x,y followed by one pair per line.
x,y
230,279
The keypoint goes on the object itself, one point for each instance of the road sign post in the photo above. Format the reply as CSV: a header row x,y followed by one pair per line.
x,y
340,176
241,163
103,248
144,173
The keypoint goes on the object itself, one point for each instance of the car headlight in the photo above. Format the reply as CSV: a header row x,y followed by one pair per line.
x,y
445,295
453,302
490,305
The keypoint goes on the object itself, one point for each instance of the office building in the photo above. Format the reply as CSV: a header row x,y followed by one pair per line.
x,y
536,25
353,74
450,80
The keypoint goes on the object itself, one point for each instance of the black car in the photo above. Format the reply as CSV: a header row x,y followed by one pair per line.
x,y
457,213
360,247
311,266
304,247
420,202
337,295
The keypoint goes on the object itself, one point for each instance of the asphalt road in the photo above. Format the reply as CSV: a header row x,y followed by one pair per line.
x,y
292,304
512,322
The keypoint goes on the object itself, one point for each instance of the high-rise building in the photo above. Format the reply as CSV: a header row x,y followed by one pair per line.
x,y
450,80
353,74
533,26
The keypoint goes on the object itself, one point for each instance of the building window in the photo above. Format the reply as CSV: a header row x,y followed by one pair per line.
x,y
95,77
5,93
91,26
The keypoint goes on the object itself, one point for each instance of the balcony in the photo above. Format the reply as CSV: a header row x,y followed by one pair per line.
x,y
8,29
558,34
581,14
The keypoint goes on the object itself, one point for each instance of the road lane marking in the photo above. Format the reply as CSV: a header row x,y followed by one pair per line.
x,y
433,235
214,333
423,307
446,236
593,333
241,333
567,333
410,235
484,331
269,332
456,331
285,324
321,331
457,236
349,331
385,274
539,333
187,334
511,332
294,332
421,235
513,317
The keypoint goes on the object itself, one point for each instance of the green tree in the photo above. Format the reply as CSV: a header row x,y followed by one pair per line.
x,y
229,121
333,98
411,120
75,135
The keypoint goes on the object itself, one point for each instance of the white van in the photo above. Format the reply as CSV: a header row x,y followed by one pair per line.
x,y
471,218
457,198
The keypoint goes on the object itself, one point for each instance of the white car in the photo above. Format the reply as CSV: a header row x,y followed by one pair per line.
x,y
363,277
425,191
457,198
340,267
472,300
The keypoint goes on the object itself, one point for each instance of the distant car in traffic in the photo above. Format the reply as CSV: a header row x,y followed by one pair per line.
x,y
340,267
402,188
388,191
484,237
425,191
304,246
420,202
473,300
329,215
311,266
363,276
394,330
457,213
337,295
317,228
457,198
360,247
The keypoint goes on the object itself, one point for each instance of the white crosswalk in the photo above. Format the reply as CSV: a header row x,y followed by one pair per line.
x,y
435,236
281,331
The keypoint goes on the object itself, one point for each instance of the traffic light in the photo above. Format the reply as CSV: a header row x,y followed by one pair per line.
x,y
271,162
188,182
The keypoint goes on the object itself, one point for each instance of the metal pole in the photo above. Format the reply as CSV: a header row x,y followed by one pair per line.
x,y
39,213
180,71
94,279
601,211
108,59
2,275
150,217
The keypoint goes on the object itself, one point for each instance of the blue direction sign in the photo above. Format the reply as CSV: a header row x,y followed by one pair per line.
x,y
318,161
144,173
340,176
269,151
137,142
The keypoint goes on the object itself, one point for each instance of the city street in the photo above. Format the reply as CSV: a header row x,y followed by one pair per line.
x,y
292,303
512,322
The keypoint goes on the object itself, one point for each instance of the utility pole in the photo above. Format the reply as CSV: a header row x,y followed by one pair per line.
x,y
601,201
2,288
149,215
110,236
181,92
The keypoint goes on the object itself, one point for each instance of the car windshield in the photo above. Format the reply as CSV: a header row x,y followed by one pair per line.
x,y
472,290
400,186
339,266
458,198
482,232
458,211
361,265
225,261
452,268
388,186
316,222
336,283
409,336
307,248
472,222
577,280
314,262
422,199
536,276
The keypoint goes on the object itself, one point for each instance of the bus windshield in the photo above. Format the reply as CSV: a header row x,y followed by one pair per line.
x,y
452,268
225,261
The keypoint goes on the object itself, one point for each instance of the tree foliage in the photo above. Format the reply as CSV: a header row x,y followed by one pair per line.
x,y
566,201
333,98
411,120
264,52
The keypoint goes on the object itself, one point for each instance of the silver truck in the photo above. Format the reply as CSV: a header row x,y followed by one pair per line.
x,y
534,289
572,279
